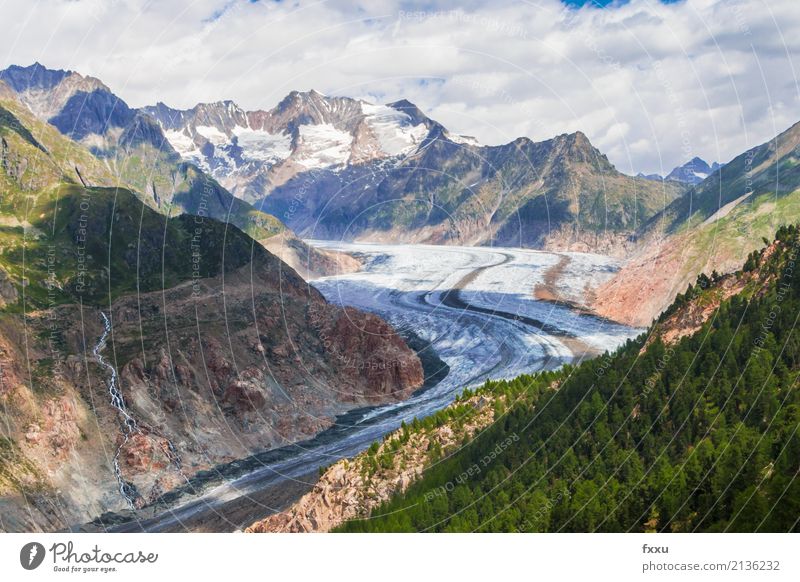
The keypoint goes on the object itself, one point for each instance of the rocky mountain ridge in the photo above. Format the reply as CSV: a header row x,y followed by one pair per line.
x,y
336,167
252,152
692,172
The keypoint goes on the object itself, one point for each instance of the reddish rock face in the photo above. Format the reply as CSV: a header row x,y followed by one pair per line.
x,y
245,395
139,454
211,372
370,354
259,359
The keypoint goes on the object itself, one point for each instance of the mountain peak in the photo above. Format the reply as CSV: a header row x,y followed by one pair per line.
x,y
692,172
299,99
403,104
577,147
35,76
578,141
414,112
580,137
311,95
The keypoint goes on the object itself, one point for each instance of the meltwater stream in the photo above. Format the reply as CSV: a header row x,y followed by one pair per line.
x,y
129,426
474,306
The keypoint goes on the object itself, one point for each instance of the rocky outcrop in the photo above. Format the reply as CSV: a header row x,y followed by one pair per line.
x,y
691,317
351,489
308,261
694,308
8,293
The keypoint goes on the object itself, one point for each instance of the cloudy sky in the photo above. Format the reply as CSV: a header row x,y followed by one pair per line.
x,y
651,83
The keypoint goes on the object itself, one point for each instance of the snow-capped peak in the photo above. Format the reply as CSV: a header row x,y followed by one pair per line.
x,y
394,130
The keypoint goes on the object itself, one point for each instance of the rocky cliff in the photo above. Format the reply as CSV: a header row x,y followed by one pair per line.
x,y
352,488
267,364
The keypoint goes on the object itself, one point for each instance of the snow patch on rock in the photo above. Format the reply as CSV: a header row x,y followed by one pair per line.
x,y
262,146
463,139
322,146
212,134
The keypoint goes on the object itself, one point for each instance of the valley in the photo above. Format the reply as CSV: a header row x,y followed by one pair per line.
x,y
262,297
495,330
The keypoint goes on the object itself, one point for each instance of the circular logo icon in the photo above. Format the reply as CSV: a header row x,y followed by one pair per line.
x,y
31,555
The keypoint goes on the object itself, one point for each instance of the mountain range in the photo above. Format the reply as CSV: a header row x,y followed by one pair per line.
x,y
692,172
130,145
336,167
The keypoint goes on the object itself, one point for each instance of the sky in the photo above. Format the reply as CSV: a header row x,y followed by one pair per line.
x,y
651,83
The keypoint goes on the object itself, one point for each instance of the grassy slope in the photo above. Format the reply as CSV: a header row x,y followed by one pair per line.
x,y
743,202
771,168
60,241
98,243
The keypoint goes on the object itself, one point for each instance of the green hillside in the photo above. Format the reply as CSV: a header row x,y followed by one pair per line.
x,y
61,241
95,244
771,169
728,215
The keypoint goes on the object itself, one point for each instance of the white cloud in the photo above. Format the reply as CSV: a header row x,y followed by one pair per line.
x,y
650,84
